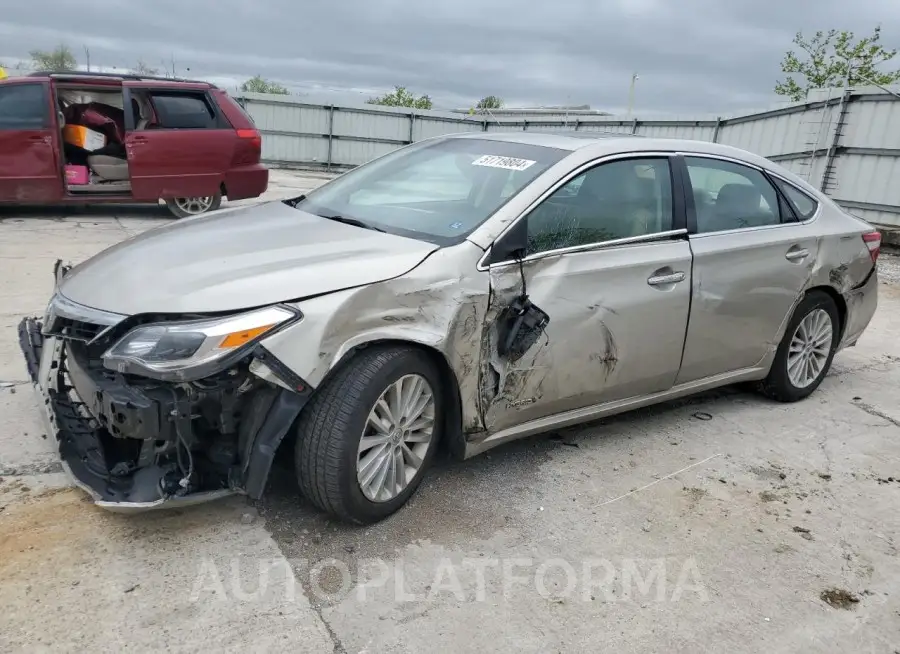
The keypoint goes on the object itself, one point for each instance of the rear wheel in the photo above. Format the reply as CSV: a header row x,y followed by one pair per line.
x,y
806,351
369,434
187,207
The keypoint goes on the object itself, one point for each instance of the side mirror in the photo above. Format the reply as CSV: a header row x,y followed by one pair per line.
x,y
513,245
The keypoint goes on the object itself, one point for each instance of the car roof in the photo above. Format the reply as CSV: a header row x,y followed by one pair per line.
x,y
83,76
607,143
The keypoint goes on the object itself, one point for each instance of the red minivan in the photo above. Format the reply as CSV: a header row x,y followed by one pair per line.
x,y
84,138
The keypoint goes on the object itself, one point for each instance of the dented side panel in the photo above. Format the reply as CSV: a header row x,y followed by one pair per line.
x,y
744,287
611,335
441,304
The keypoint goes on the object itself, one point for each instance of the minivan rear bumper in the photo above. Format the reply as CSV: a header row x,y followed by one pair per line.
x,y
246,182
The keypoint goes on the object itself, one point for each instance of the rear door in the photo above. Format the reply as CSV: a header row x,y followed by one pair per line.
x,y
752,257
184,150
30,169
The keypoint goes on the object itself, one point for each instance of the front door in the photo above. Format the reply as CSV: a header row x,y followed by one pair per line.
x,y
30,169
751,260
604,264
182,148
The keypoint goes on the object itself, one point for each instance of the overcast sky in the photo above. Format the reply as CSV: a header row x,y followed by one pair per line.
x,y
708,56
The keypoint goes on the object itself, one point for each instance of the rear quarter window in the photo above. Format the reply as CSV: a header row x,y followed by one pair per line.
x,y
23,106
184,111
803,205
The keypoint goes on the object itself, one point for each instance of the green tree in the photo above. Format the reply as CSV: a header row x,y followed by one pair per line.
x,y
258,84
828,58
60,58
400,97
142,68
490,102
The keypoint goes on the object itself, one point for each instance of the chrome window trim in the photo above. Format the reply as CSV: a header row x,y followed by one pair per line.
x,y
593,163
764,171
658,237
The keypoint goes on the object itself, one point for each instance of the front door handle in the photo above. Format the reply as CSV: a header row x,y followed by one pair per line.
x,y
661,280
796,254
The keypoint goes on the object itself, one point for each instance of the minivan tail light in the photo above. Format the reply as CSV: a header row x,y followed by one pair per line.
x,y
249,148
252,135
873,242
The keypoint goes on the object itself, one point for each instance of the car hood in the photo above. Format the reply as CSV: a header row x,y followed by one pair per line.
x,y
236,260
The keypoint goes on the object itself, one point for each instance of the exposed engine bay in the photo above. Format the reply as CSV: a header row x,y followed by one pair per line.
x,y
135,441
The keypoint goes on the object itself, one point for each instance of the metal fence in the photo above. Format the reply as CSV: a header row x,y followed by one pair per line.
x,y
846,143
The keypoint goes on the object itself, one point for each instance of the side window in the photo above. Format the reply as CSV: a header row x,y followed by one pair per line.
x,y
183,111
804,206
24,106
620,199
731,196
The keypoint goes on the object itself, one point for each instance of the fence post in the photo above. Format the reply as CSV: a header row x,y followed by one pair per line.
x,y
330,135
412,124
715,136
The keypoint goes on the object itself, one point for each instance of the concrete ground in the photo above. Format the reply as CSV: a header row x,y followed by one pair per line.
x,y
723,522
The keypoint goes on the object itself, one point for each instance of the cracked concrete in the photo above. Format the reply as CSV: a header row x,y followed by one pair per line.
x,y
713,523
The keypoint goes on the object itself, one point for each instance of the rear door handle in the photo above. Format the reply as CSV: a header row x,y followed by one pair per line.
x,y
661,280
796,254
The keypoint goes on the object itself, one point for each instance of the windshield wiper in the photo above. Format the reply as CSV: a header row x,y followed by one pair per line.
x,y
352,221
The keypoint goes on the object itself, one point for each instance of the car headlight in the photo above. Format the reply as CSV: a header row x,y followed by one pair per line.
x,y
192,349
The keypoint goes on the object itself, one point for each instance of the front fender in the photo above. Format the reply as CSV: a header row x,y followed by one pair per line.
x,y
428,307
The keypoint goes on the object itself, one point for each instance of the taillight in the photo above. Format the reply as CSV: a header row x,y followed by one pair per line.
x,y
251,135
873,242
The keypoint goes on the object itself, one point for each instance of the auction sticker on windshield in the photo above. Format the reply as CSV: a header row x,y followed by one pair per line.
x,y
508,163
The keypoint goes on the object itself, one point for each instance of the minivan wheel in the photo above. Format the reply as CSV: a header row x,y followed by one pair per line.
x,y
806,351
187,207
369,434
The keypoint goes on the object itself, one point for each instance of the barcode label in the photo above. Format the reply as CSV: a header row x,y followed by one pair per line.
x,y
507,163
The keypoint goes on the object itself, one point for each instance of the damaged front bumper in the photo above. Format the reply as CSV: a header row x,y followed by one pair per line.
x,y
135,445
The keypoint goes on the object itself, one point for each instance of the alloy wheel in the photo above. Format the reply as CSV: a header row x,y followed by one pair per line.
x,y
809,349
194,206
396,438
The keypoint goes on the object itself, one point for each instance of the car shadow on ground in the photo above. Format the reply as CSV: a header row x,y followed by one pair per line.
x,y
459,500
57,212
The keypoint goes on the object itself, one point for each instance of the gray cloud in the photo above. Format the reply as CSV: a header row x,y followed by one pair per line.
x,y
692,55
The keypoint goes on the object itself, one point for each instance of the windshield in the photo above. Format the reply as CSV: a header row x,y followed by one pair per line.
x,y
437,191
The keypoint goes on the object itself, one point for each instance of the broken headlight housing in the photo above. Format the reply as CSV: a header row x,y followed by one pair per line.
x,y
188,350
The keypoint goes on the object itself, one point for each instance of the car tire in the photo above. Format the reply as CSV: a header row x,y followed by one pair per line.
x,y
790,379
331,466
189,207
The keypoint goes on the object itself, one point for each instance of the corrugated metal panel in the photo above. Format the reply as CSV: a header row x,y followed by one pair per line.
x,y
868,178
806,168
875,217
695,132
376,126
873,125
607,128
295,149
788,134
426,128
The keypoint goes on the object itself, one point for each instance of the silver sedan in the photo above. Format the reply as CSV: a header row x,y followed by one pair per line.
x,y
458,293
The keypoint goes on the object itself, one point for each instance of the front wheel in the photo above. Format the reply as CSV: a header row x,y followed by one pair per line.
x,y
369,434
187,207
806,351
